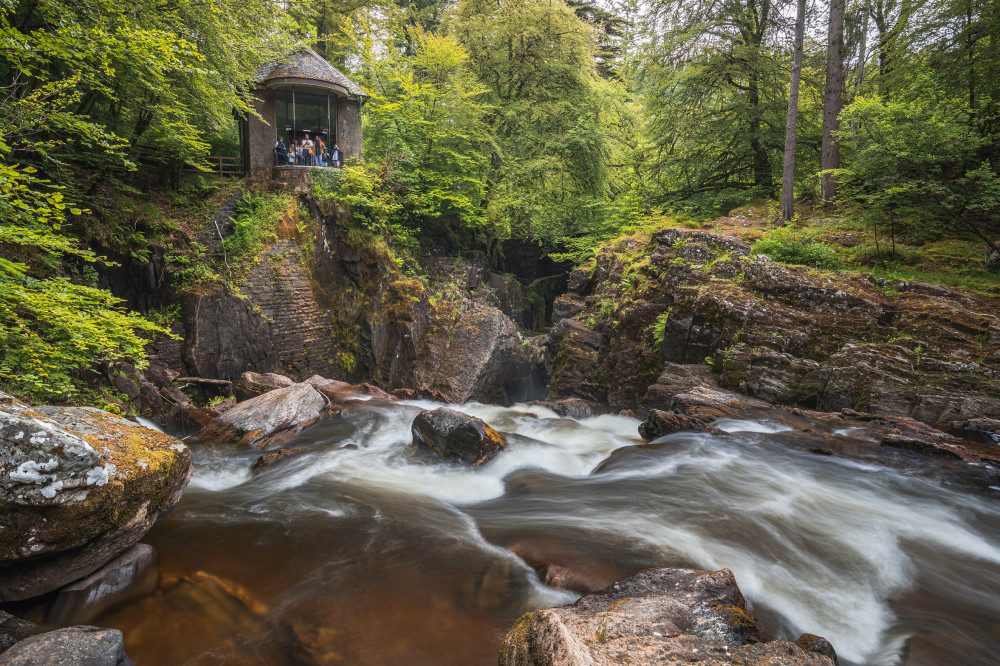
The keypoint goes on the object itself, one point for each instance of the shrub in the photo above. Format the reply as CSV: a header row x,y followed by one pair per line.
x,y
793,247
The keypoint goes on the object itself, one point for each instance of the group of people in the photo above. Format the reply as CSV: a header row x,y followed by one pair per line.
x,y
306,152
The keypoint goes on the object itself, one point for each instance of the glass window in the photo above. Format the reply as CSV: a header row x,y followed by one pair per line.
x,y
284,117
301,110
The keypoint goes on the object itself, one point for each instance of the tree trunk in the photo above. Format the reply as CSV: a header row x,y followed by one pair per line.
x,y
862,51
832,101
788,172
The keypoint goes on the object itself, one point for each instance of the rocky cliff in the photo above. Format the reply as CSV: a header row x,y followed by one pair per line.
x,y
648,320
333,300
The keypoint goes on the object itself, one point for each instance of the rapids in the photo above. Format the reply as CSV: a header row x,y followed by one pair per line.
x,y
365,551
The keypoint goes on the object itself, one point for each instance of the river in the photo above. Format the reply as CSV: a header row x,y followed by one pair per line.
x,y
365,551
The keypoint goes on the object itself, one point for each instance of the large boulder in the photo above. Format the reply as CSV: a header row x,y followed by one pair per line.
x,y
79,646
270,419
253,384
78,486
224,337
468,354
659,616
457,436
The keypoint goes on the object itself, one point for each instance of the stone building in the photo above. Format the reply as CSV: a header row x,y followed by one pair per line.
x,y
299,96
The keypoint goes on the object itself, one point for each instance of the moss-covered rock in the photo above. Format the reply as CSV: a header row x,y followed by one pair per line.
x,y
640,320
77,487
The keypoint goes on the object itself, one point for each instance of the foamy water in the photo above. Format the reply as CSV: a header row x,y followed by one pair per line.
x,y
873,557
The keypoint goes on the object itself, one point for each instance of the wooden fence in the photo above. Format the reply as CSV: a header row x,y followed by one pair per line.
x,y
226,166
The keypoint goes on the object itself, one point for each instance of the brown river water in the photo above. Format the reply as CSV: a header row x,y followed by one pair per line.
x,y
368,552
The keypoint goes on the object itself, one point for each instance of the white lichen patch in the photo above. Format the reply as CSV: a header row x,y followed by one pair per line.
x,y
97,476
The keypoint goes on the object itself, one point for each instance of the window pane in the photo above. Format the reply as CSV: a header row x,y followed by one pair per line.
x,y
310,114
284,122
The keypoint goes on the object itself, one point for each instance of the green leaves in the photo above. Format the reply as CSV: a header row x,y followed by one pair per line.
x,y
51,328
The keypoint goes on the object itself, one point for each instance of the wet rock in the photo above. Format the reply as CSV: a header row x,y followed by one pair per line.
x,y
565,307
160,374
375,392
133,574
333,389
457,436
564,574
507,292
576,358
80,646
78,486
253,384
659,616
268,460
573,408
660,423
912,435
316,644
988,427
268,420
14,629
818,645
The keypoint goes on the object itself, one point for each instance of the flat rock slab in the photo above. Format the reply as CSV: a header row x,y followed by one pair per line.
x,y
75,646
270,419
659,616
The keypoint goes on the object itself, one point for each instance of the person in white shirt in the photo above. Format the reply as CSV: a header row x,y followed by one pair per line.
x,y
307,150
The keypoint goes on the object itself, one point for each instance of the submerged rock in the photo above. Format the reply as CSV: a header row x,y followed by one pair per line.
x,y
132,574
660,423
659,616
216,617
457,436
78,486
268,420
80,646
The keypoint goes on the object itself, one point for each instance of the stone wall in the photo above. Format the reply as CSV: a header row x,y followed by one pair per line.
x,y
349,127
281,287
261,135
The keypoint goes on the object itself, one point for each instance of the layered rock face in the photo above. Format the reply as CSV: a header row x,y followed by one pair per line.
x,y
335,304
659,616
77,487
691,308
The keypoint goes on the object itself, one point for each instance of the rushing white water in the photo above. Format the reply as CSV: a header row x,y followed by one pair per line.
x,y
888,562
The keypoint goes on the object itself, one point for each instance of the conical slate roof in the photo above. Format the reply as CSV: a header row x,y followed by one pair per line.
x,y
304,63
